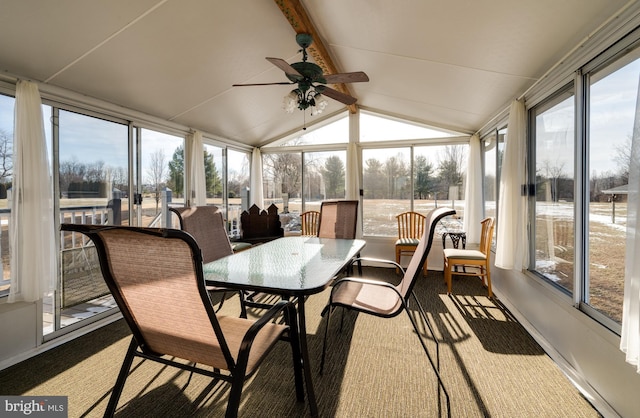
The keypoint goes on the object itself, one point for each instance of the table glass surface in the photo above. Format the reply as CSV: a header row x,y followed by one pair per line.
x,y
301,265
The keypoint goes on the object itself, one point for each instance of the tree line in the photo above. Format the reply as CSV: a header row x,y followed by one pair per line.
x,y
386,179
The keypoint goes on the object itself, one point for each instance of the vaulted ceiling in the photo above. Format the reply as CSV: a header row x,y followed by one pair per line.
x,y
449,64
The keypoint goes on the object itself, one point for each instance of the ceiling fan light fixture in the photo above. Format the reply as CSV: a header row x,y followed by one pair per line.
x,y
309,99
290,101
320,104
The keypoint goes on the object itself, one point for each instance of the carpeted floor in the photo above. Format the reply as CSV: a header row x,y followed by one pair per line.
x,y
376,368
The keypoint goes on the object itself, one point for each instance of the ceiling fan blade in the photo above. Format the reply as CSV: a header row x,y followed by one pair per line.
x,y
341,97
284,66
279,83
354,77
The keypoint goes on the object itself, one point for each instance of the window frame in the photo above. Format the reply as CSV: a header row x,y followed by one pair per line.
x,y
580,85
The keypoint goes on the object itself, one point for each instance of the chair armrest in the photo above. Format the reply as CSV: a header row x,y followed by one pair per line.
x,y
376,260
372,282
261,322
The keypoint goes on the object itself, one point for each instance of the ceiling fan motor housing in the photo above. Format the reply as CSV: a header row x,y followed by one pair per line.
x,y
310,72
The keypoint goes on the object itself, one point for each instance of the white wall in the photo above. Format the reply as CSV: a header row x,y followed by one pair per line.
x,y
586,350
18,329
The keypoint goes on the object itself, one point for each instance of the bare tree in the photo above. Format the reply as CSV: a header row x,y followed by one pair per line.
x,y
623,159
156,172
553,172
285,170
6,156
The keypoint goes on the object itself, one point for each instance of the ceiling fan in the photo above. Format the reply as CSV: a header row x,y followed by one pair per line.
x,y
312,84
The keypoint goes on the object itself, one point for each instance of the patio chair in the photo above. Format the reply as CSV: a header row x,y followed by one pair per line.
x,y
309,223
339,219
206,226
410,229
147,268
472,262
385,300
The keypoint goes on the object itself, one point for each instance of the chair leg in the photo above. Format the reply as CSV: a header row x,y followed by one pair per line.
x,y
295,350
398,256
234,396
328,309
447,274
488,275
224,297
243,307
122,377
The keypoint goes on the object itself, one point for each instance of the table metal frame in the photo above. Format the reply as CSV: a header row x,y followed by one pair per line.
x,y
293,267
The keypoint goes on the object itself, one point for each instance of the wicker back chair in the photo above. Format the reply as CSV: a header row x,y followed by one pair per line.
x,y
386,300
309,223
465,262
410,229
147,268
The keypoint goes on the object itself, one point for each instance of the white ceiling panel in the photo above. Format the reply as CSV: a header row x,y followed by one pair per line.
x,y
452,64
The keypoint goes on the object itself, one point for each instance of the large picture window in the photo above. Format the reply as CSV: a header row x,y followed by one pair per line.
x,y
397,180
581,183
612,103
554,136
6,177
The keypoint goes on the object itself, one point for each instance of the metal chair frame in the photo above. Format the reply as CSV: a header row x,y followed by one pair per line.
x,y
154,339
367,296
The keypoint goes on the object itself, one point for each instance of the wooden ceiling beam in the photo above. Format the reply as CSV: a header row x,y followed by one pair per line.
x,y
300,22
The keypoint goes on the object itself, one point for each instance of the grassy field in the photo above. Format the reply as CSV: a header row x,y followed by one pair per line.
x,y
555,252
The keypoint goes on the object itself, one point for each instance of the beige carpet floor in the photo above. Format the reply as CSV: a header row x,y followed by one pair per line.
x,y
376,368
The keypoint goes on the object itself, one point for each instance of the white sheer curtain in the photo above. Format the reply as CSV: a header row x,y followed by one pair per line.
x,y
198,180
352,183
630,337
511,243
473,209
32,227
256,192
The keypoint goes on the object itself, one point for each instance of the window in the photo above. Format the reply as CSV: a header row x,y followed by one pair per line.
x,y
6,176
493,151
612,104
336,131
394,182
374,128
324,177
302,171
399,178
553,134
282,179
582,182
93,185
214,176
162,159
238,172
386,184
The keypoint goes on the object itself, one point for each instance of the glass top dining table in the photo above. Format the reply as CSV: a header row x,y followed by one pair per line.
x,y
291,267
